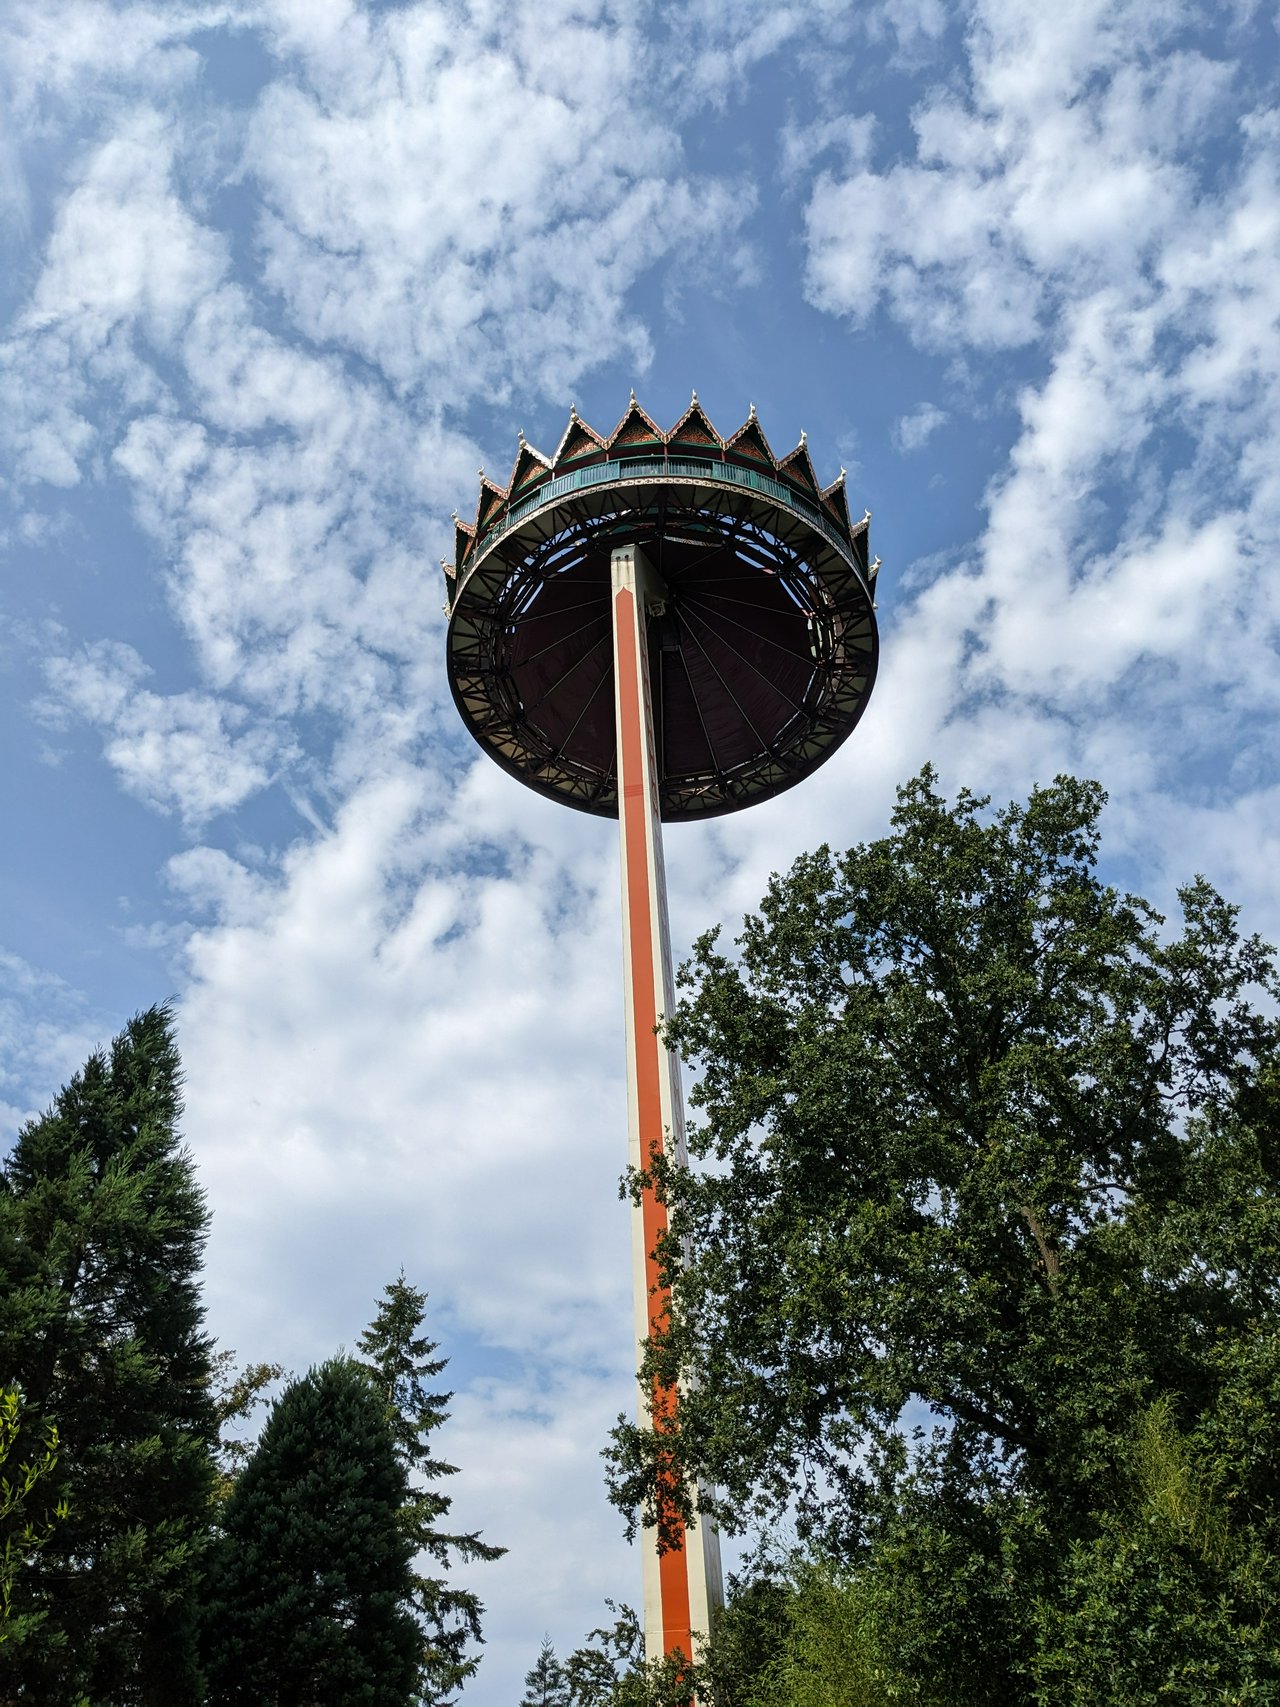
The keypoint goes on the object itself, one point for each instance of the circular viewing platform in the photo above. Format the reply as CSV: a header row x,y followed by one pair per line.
x,y
762,648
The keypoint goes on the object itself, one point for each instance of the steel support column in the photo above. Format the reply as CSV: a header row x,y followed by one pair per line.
x,y
683,1585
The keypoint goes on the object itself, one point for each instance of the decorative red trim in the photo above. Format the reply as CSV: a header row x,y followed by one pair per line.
x,y
632,763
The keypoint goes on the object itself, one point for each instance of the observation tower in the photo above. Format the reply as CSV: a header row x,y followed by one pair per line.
x,y
660,627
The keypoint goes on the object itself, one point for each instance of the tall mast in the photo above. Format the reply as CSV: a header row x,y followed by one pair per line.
x,y
683,1585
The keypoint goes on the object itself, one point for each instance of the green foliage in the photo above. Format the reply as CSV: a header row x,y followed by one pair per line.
x,y
988,1257
400,1362
544,1682
831,1650
747,1636
101,1231
237,1394
310,1597
1170,1598
609,1669
23,1539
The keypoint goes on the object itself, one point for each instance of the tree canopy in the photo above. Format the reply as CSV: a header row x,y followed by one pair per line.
x,y
400,1361
313,1577
991,1233
102,1227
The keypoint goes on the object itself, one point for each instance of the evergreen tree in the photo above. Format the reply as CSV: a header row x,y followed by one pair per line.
x,y
22,1538
101,1230
400,1361
544,1684
313,1575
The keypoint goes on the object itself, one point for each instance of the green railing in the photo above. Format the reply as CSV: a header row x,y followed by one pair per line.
x,y
665,468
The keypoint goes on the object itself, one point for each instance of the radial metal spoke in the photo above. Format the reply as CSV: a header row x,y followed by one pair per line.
x,y
755,670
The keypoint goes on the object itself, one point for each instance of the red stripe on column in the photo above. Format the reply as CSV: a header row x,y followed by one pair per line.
x,y
649,1061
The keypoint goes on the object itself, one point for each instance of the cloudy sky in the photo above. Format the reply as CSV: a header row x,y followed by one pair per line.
x,y
278,276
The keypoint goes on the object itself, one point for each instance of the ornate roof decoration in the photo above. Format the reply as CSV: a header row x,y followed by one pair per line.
x,y
694,428
463,535
749,440
579,440
635,428
692,440
492,499
529,465
798,466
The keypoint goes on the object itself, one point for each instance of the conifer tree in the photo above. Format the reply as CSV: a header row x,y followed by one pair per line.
x,y
544,1682
101,1231
400,1360
313,1572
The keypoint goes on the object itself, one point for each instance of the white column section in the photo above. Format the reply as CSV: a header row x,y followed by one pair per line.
x,y
681,1588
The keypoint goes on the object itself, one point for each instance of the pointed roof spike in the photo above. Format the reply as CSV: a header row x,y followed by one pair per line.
x,y
750,441
751,413
492,497
635,427
799,466
694,398
633,396
867,517
578,439
529,464
695,427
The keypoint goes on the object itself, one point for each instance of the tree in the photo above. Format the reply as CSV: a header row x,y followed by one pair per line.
x,y
610,1670
102,1226
400,1362
544,1684
996,1168
23,1539
312,1580
237,1394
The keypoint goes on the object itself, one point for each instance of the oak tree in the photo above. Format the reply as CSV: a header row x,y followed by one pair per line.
x,y
995,1165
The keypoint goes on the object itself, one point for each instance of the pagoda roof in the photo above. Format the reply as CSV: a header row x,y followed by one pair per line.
x,y
635,427
694,427
530,464
637,433
577,440
799,466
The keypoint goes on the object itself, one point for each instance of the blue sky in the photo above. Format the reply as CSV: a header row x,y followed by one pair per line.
x,y
277,279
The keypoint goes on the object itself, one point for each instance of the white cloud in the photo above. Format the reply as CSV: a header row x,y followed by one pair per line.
x,y
914,430
463,216
177,752
1085,196
1064,167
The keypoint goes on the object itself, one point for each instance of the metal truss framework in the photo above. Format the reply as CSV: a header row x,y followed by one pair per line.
x,y
754,573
